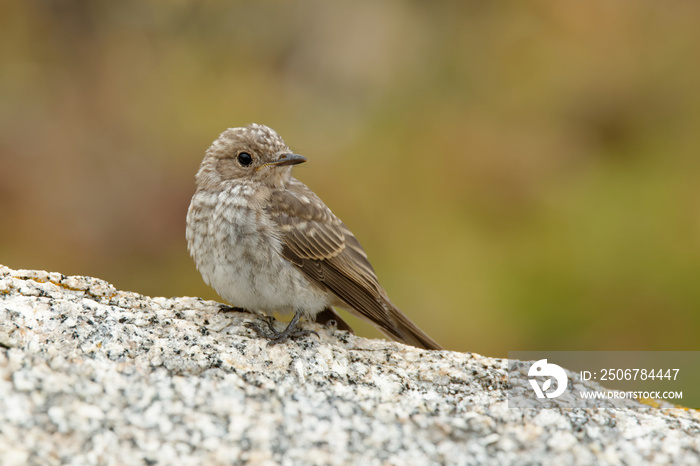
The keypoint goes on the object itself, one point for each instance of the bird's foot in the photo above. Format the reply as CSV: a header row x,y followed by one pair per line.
x,y
331,318
275,337
227,308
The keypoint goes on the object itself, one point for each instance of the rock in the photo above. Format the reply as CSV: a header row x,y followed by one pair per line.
x,y
93,375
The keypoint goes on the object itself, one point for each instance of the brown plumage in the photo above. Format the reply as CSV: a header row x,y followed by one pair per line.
x,y
327,252
294,227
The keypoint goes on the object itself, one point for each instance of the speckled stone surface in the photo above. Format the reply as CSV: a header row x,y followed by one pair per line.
x,y
93,375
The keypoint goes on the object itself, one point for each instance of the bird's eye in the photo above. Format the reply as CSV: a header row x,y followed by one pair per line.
x,y
244,159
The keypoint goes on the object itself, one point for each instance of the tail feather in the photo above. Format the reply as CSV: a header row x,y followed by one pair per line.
x,y
396,325
407,332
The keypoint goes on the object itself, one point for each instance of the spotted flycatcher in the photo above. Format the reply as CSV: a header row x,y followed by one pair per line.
x,y
265,242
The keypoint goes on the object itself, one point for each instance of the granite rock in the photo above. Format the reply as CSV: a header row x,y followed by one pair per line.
x,y
93,375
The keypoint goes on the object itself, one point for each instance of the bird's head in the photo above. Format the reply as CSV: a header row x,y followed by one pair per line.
x,y
254,153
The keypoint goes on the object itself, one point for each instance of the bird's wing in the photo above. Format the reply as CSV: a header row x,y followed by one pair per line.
x,y
325,250
313,236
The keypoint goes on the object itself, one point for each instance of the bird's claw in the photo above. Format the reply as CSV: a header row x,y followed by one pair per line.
x,y
274,336
226,308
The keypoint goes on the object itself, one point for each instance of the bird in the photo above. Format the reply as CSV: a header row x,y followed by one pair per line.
x,y
267,243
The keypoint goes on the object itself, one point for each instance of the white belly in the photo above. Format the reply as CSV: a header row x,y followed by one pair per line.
x,y
239,259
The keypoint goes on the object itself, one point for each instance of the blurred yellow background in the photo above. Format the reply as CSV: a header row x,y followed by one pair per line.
x,y
522,176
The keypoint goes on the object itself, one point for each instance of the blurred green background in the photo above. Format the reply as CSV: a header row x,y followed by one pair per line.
x,y
522,176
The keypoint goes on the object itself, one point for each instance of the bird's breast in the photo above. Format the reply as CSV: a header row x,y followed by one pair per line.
x,y
237,248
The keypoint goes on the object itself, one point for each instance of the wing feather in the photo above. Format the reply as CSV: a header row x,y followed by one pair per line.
x,y
330,256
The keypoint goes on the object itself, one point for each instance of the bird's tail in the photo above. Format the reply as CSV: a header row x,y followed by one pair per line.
x,y
405,331
395,324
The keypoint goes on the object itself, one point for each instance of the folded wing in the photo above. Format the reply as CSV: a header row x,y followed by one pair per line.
x,y
325,250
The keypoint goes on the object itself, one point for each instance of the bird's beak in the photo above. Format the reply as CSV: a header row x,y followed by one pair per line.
x,y
288,159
